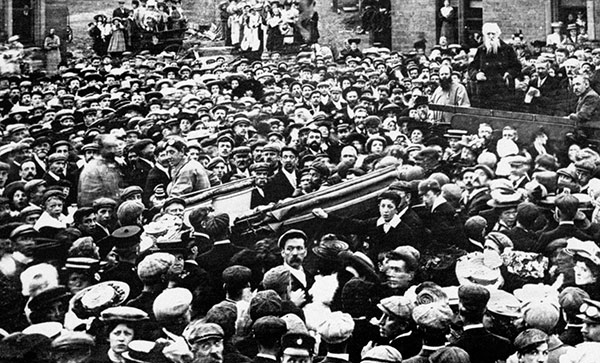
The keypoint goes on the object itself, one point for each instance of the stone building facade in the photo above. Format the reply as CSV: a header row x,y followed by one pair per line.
x,y
419,19
31,19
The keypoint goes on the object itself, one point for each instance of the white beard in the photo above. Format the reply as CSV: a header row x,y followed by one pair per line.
x,y
492,45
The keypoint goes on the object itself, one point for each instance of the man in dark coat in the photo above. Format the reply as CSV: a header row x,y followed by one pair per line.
x,y
268,331
493,69
159,174
482,346
396,326
566,208
442,222
285,181
384,233
477,199
126,240
588,104
217,258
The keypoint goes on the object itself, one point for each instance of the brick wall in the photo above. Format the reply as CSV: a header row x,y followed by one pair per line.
x,y
512,15
412,19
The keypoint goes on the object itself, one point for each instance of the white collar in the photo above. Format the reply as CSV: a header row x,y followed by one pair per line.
x,y
432,347
476,243
268,356
393,223
472,326
437,202
566,222
342,356
222,242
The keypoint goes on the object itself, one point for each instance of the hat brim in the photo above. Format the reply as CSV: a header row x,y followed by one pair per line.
x,y
122,291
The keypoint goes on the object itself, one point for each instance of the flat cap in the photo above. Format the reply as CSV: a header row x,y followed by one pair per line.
x,y
436,315
571,298
104,202
126,236
53,158
504,303
172,303
429,185
265,303
154,266
337,328
292,233
269,326
298,344
529,339
71,339
382,354
399,307
123,313
473,297
199,331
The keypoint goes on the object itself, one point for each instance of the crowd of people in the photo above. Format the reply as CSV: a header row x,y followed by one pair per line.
x,y
485,248
123,31
272,26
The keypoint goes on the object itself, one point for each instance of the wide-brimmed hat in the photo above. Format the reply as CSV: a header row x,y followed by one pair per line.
x,y
94,299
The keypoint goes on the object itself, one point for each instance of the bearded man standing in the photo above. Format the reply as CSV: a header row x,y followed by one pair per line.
x,y
493,69
449,93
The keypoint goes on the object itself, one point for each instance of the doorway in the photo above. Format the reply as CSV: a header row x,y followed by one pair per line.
x,y
23,21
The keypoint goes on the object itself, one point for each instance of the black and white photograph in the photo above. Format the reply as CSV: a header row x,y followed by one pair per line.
x,y
299,181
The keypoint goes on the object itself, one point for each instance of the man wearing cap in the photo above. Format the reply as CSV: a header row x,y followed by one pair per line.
x,y
126,242
140,168
297,348
267,332
285,181
433,322
293,251
240,161
590,315
205,341
261,193
481,345
532,346
396,326
335,332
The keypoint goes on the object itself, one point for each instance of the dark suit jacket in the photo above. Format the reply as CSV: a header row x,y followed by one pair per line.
x,y
483,346
257,199
138,173
588,108
279,186
408,346
562,231
478,202
155,177
444,226
214,262
377,240
264,360
523,239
